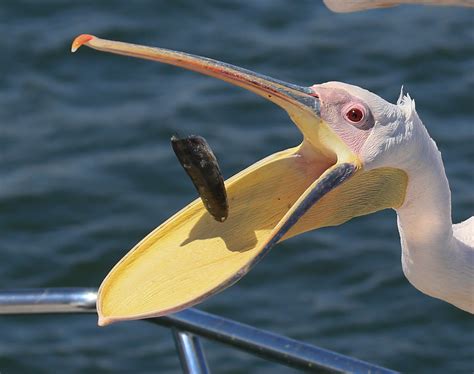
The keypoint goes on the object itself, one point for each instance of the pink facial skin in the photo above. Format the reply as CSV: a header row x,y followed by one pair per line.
x,y
346,114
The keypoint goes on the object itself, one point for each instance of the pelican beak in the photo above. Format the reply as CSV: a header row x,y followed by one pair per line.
x,y
191,256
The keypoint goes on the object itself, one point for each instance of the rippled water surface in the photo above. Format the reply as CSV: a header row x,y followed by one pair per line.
x,y
87,170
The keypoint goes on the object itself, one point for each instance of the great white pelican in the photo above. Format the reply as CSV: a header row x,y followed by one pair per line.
x,y
359,154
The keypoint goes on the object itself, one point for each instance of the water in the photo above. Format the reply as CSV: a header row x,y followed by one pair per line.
x,y
87,170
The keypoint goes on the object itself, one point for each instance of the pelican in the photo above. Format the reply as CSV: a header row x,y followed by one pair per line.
x,y
359,154
345,6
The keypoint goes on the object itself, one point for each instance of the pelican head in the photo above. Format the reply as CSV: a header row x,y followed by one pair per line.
x,y
354,160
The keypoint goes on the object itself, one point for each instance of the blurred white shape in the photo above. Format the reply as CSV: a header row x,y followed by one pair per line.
x,y
345,6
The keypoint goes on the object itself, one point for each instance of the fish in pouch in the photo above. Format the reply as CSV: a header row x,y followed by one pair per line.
x,y
200,163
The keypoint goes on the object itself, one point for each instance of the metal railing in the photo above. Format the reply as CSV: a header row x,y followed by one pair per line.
x,y
187,326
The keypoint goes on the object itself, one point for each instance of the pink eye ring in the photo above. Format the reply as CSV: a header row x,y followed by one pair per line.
x,y
355,114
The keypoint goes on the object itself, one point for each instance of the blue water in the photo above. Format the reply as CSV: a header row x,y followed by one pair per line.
x,y
87,170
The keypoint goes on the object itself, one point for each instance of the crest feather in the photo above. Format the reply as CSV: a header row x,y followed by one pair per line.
x,y
406,104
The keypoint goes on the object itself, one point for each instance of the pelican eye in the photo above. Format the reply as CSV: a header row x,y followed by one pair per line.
x,y
355,115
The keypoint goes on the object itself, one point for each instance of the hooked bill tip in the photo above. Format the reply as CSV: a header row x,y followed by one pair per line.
x,y
80,40
104,321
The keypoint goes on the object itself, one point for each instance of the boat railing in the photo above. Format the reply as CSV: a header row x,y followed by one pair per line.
x,y
188,327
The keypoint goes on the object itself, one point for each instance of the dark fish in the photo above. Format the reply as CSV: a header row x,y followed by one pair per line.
x,y
199,162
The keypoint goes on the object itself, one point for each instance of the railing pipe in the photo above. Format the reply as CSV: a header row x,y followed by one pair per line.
x,y
266,344
48,300
262,343
191,354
